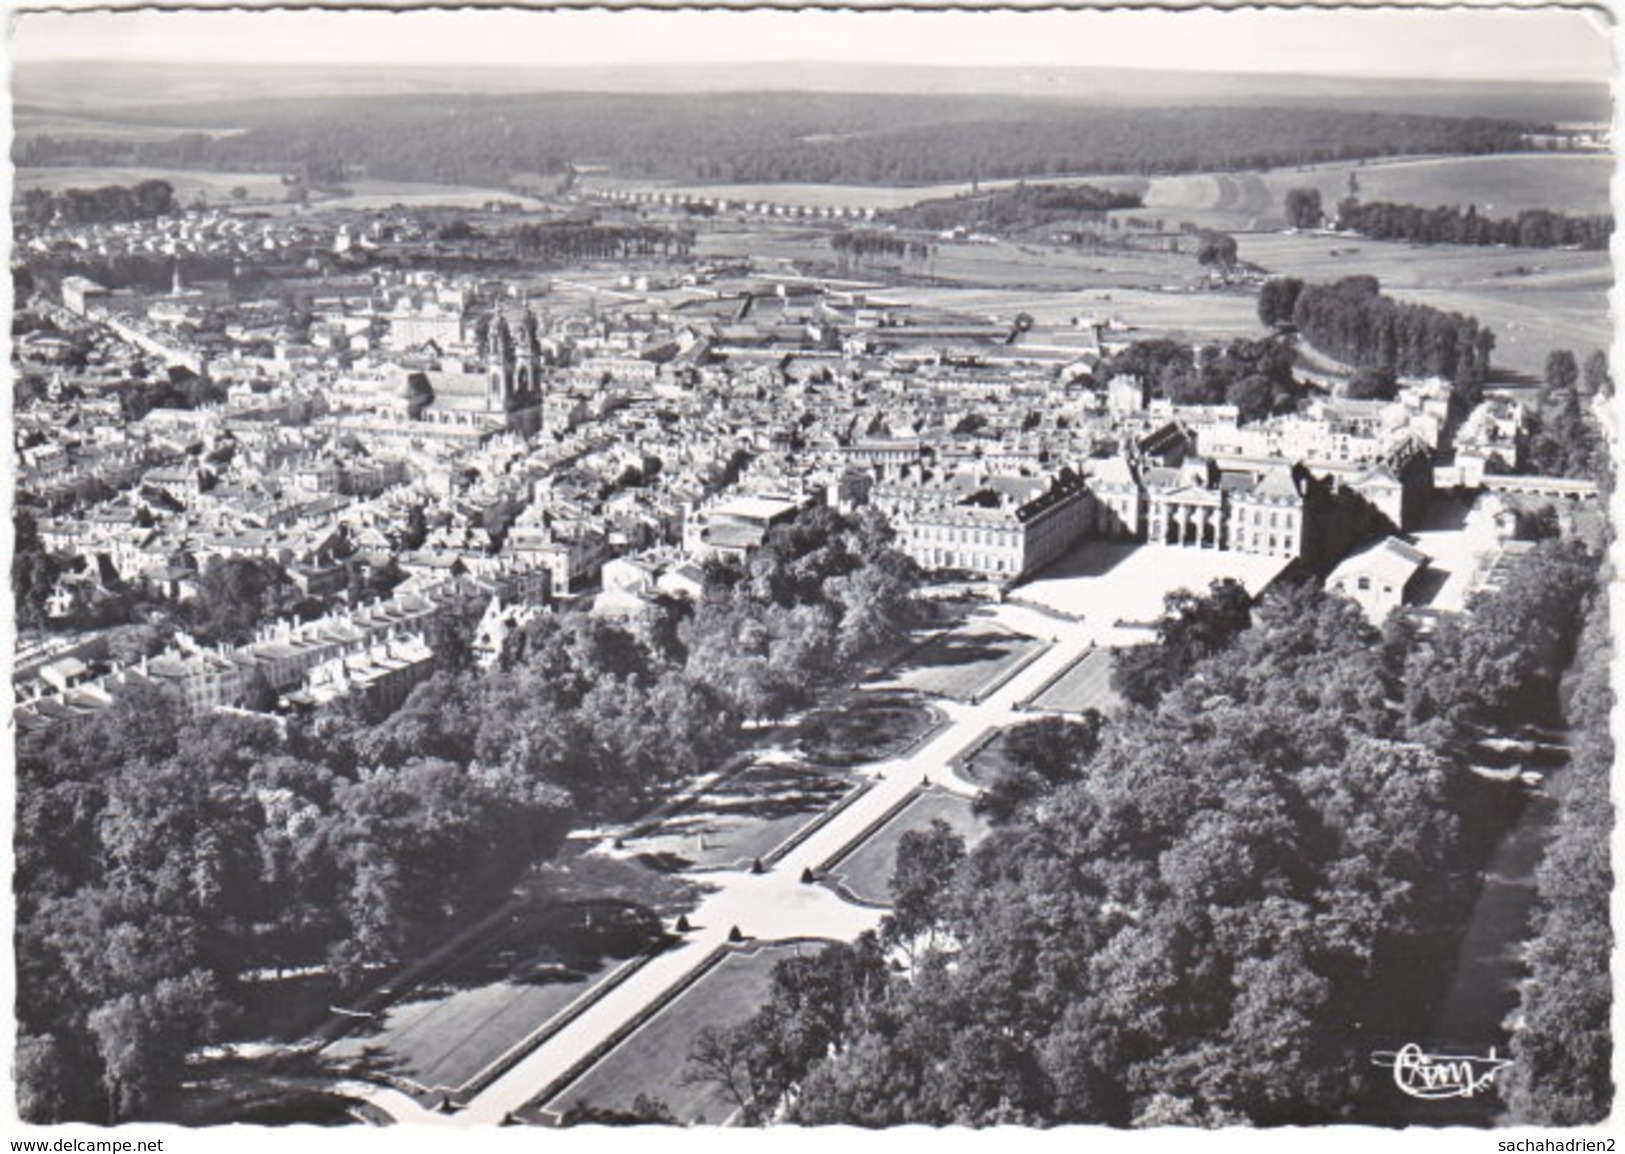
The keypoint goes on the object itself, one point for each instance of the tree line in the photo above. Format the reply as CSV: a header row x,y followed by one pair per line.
x,y
109,204
160,859
1211,912
1449,224
774,137
862,246
1353,321
1013,209
563,242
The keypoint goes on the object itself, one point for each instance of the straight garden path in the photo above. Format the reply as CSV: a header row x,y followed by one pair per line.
x,y
776,903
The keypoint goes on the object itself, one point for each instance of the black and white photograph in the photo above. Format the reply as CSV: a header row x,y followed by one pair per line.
x,y
723,570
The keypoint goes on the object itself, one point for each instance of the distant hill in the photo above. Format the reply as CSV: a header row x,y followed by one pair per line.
x,y
107,86
759,137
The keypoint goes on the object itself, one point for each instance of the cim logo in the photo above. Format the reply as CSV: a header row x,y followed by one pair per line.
x,y
1424,1075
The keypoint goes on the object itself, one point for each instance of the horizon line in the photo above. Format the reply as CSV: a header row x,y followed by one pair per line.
x,y
810,61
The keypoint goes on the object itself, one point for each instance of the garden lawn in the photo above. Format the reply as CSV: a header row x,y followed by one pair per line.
x,y
1085,684
866,871
968,663
741,819
652,1060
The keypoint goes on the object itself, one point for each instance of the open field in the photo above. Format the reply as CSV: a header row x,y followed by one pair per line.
x,y
1317,256
878,197
1575,183
1534,299
498,994
1086,684
866,872
1498,185
742,818
967,663
367,195
1125,585
1000,266
216,186
62,126
1527,325
263,187
654,1058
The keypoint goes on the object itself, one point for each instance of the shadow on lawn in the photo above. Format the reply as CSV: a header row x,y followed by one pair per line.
x,y
954,652
543,945
283,1088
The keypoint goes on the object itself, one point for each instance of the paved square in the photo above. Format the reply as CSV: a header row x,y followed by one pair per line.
x,y
1113,586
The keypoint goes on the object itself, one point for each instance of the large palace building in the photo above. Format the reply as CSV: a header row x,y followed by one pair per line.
x,y
1004,528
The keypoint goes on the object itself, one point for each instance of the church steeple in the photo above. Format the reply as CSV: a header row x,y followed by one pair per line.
x,y
499,362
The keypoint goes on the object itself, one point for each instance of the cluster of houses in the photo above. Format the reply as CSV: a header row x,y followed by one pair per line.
x,y
606,436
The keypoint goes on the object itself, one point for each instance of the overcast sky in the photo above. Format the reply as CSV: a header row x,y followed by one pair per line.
x,y
1454,44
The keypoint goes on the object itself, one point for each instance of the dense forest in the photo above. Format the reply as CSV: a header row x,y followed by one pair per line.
x,y
1563,1050
1354,322
1214,910
161,859
1531,228
764,137
1013,209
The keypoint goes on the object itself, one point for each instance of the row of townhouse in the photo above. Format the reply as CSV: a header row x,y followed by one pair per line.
x,y
285,656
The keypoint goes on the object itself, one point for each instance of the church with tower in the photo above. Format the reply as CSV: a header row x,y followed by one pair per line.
x,y
503,391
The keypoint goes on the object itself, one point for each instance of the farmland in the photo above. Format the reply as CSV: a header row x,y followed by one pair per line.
x,y
369,195
1498,185
267,188
1506,184
62,126
215,186
1534,299
880,198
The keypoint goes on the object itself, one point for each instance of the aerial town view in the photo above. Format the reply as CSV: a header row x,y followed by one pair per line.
x,y
771,569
